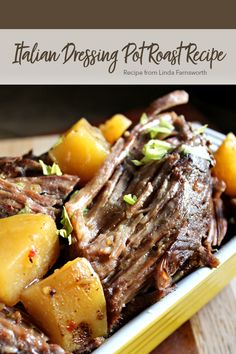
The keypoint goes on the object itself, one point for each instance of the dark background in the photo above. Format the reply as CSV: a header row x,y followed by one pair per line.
x,y
117,14
37,110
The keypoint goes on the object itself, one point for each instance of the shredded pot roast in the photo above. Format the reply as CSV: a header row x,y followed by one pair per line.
x,y
148,222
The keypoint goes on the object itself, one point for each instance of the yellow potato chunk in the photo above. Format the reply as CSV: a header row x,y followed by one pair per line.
x,y
225,167
29,246
69,305
81,151
114,127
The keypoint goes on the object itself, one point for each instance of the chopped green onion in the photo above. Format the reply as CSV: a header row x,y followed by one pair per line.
x,y
164,123
155,146
67,229
158,130
20,185
130,199
85,211
163,127
50,170
154,150
65,221
200,130
62,233
46,169
55,170
143,119
154,156
154,153
199,151
137,163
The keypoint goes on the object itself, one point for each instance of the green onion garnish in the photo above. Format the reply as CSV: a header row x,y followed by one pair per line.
x,y
137,163
67,229
130,199
166,124
143,119
154,150
20,185
85,211
50,170
158,130
163,127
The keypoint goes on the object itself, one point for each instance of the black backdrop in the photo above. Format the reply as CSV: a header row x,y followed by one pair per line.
x,y
35,110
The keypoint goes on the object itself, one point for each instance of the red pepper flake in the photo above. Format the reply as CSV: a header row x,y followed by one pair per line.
x,y
9,208
32,254
71,325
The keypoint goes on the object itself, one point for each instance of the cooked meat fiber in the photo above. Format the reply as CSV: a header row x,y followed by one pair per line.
x,y
23,166
18,335
44,194
23,186
19,166
168,231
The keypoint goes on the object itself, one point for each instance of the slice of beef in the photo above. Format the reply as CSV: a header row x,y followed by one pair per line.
x,y
178,223
23,166
173,99
57,188
11,167
44,194
18,335
147,244
218,224
23,186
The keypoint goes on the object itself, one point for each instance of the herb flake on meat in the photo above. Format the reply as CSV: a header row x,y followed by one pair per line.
x,y
50,170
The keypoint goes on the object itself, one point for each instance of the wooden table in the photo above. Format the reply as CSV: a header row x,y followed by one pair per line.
x,y
211,331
